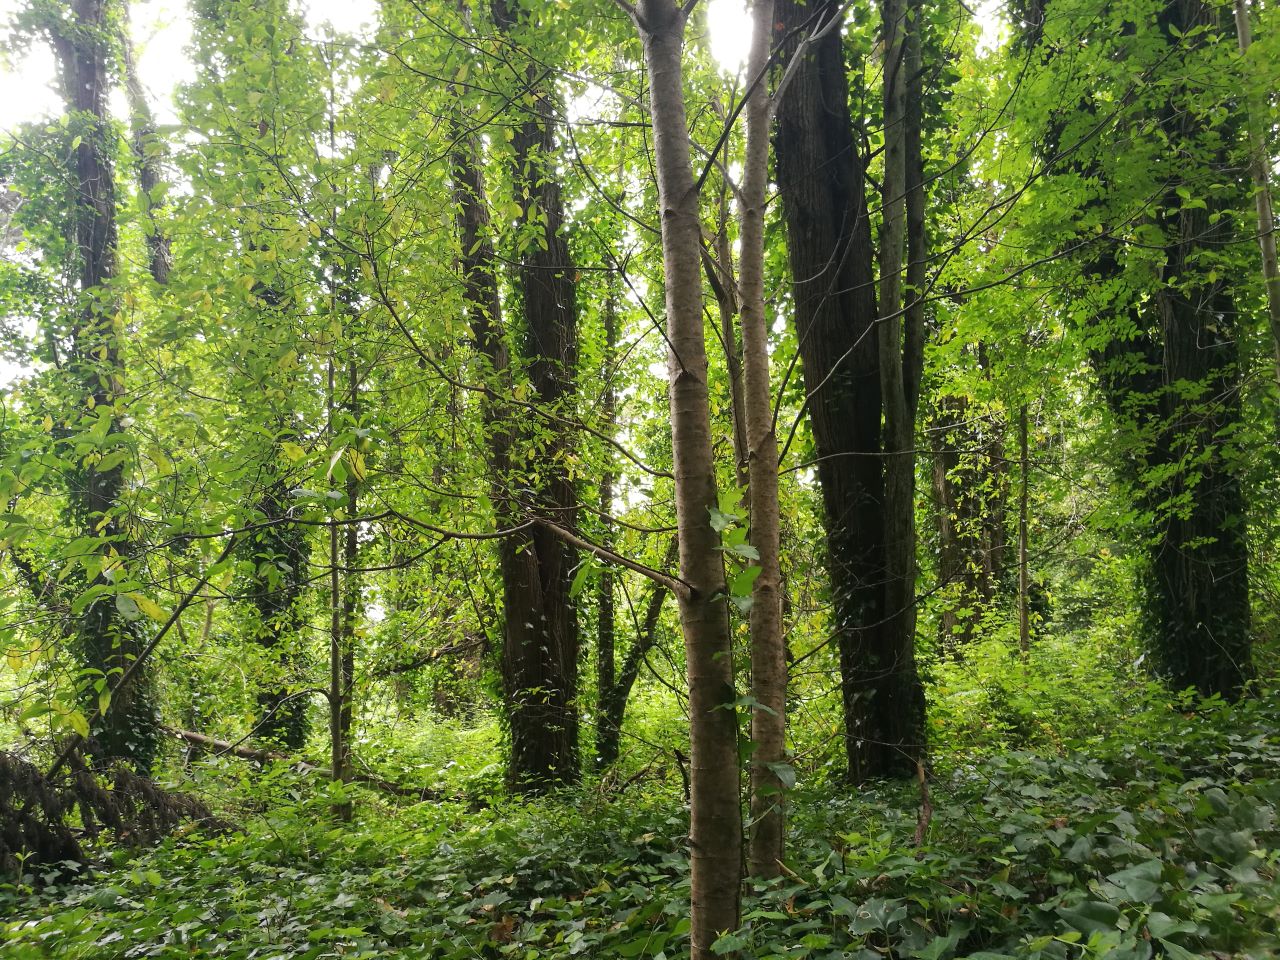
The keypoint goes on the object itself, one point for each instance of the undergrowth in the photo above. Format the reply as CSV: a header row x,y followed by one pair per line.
x,y
1156,839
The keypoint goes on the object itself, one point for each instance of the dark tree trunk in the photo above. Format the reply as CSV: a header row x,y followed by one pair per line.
x,y
540,650
1172,379
821,178
1175,387
107,640
613,699
969,489
607,733
280,553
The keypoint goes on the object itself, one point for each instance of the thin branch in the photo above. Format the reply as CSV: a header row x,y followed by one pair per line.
x,y
677,586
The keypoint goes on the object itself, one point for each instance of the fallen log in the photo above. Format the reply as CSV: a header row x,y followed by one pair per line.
x,y
45,819
302,766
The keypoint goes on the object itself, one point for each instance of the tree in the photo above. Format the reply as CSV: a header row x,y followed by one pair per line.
x,y
715,831
108,634
768,654
541,645
1160,323
822,182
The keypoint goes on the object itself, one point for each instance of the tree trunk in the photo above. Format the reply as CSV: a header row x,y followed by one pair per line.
x,y
276,588
613,699
1024,566
822,182
715,811
148,155
768,659
1260,171
900,684
1176,387
106,639
540,652
607,733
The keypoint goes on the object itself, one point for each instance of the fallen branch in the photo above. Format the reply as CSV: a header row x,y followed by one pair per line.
x,y
43,820
224,748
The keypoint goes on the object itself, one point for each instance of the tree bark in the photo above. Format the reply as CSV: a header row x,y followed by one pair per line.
x,y
607,734
1024,510
540,650
822,182
106,640
148,155
276,588
1175,387
1260,171
768,657
613,700
715,811
900,680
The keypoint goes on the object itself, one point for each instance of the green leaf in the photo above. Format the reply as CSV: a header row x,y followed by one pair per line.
x,y
127,607
740,585
1091,916
1139,883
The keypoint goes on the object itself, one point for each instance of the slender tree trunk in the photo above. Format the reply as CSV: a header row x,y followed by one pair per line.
x,y
351,586
1024,568
901,684
148,155
106,639
715,811
720,275
607,740
337,624
614,698
768,659
1260,171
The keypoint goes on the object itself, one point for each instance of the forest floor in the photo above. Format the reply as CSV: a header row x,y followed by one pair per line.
x,y
1159,838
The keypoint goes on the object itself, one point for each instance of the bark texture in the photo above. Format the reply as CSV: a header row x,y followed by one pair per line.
x,y
715,811
1175,389
280,553
899,363
541,641
768,655
106,639
822,182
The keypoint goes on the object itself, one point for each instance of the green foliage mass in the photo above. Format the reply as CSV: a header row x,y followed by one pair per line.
x,y
1158,838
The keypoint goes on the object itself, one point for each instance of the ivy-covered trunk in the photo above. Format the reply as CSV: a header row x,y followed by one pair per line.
x,y
1170,369
108,637
280,553
540,649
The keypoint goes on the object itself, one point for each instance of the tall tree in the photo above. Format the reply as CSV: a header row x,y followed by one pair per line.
x,y
1161,322
541,643
822,180
715,830
768,654
108,634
